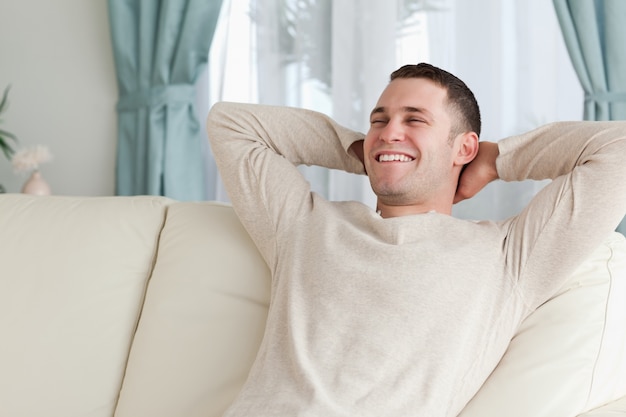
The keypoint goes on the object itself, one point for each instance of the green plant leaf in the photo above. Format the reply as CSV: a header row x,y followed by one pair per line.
x,y
5,96
7,134
7,150
6,147
6,137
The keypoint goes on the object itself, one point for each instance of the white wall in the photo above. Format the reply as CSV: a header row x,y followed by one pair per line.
x,y
57,57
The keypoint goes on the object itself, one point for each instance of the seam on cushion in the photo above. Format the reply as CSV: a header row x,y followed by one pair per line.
x,y
609,263
142,302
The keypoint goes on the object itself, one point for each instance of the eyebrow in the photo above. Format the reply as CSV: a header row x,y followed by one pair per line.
x,y
405,109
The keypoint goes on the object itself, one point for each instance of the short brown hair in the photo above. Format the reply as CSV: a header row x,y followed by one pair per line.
x,y
461,101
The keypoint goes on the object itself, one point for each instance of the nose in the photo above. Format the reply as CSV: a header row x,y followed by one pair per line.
x,y
392,132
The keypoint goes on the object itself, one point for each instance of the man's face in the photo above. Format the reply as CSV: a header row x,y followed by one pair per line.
x,y
406,152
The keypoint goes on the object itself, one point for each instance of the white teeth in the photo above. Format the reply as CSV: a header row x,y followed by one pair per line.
x,y
394,157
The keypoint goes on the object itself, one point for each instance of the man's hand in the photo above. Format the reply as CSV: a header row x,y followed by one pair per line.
x,y
478,173
357,148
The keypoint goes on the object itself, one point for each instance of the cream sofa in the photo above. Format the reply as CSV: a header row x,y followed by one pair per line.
x,y
143,306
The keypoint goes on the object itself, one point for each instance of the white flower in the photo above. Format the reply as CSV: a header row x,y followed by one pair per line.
x,y
29,159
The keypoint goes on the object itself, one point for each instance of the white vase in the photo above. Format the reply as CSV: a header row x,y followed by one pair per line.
x,y
36,185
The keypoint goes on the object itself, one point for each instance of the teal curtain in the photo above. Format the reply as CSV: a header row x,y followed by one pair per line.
x,y
595,36
160,47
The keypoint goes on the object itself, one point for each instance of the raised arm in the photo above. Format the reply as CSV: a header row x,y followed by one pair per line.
x,y
572,215
257,149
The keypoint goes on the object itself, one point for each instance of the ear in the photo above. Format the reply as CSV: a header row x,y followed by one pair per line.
x,y
467,148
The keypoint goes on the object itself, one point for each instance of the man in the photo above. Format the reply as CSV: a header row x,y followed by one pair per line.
x,y
405,310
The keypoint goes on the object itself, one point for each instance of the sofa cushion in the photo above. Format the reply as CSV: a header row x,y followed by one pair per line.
x,y
74,271
614,409
569,356
203,317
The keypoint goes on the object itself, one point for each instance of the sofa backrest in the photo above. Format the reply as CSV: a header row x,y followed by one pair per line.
x,y
203,317
569,355
73,272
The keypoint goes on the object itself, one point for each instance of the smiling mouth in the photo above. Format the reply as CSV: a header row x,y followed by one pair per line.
x,y
394,158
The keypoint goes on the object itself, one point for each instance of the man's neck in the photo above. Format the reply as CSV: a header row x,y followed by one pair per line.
x,y
389,211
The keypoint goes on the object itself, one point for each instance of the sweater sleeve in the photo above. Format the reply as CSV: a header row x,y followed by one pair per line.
x,y
572,215
257,149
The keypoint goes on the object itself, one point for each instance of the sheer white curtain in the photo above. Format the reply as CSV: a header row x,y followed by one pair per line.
x,y
336,56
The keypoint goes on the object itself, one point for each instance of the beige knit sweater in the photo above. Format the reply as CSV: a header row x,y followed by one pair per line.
x,y
404,316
